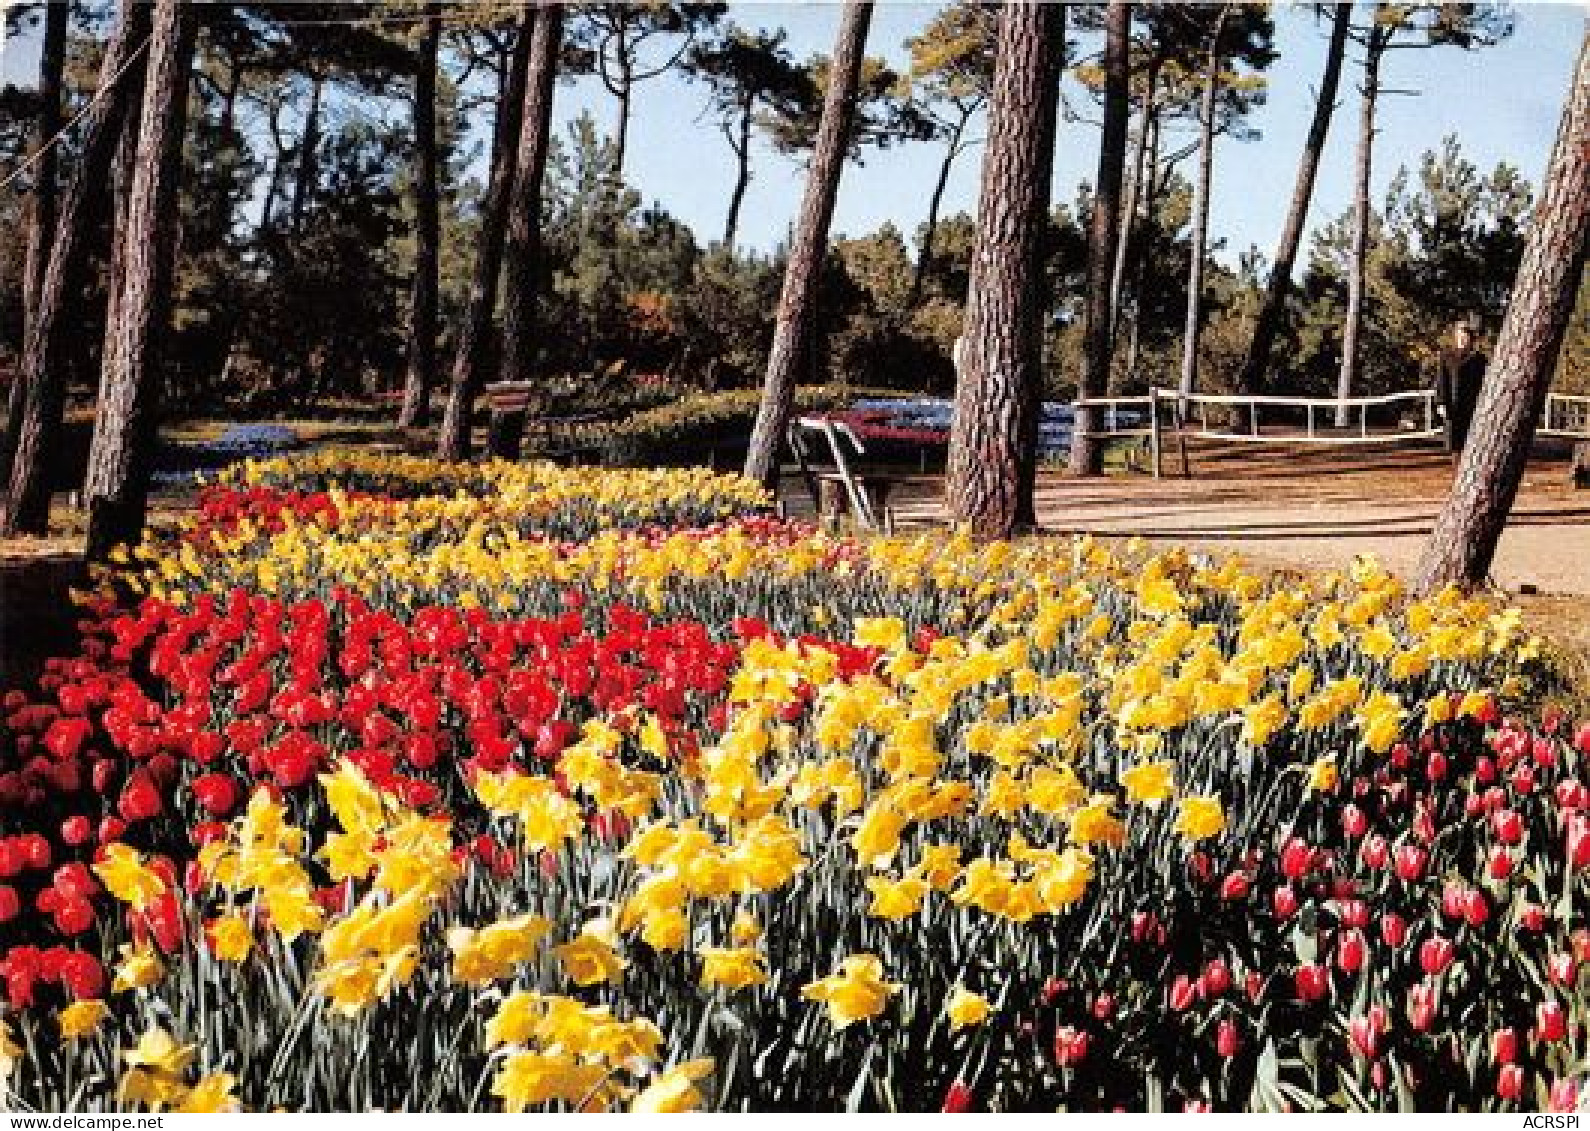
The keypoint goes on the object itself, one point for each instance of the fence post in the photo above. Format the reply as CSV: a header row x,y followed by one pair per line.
x,y
1181,434
1153,428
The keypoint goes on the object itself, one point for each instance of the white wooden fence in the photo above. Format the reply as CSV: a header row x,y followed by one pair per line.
x,y
1405,416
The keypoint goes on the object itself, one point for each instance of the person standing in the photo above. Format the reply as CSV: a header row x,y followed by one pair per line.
x,y
1457,385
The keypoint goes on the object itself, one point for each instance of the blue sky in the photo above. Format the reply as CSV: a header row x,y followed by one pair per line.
x,y
1504,102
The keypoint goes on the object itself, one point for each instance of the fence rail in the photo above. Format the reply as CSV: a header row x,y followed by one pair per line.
x,y
1563,416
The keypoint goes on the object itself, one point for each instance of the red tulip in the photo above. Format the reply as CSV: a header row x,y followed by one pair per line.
x,y
1182,993
1284,900
1228,1039
82,975
1375,851
1353,912
1411,861
1253,982
1435,766
1393,930
76,830
1499,864
1052,989
1476,908
1532,917
139,800
206,831
1313,981
1296,859
1351,951
1510,1082
1354,821
1070,1046
1365,1037
1146,927
957,1099
1581,739
1504,1046
217,793
10,903
74,916
1424,826
1564,1096
74,881
1436,954
1235,886
1215,980
1578,842
35,851
1508,826
1423,1004
1551,1022
1104,1006
1561,968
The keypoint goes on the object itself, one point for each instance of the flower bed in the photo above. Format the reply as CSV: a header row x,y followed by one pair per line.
x,y
393,785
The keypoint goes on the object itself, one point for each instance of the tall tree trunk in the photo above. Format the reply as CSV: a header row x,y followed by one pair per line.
x,y
795,330
1469,526
116,490
1358,256
924,259
742,177
421,375
41,222
52,61
273,183
58,314
1140,261
1134,199
1268,323
994,419
308,151
1041,288
124,170
1087,452
522,255
1200,229
626,93
474,338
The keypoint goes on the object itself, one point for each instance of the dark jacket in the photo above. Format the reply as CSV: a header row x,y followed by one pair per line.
x,y
1457,389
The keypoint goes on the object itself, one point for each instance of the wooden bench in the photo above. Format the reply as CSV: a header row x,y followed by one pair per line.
x,y
511,424
837,490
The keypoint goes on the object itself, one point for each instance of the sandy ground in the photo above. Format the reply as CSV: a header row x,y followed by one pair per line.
x,y
1310,508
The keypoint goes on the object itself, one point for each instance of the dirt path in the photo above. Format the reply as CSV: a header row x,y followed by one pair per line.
x,y
1310,508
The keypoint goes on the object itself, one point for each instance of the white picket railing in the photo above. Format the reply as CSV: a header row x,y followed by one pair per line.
x,y
1564,416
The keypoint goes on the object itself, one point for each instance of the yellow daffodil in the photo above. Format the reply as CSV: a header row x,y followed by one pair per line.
x,y
1149,782
1200,818
857,992
966,1008
675,1090
589,960
81,1018
731,968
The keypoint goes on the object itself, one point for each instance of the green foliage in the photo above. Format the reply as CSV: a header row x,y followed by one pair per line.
x,y
1446,243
